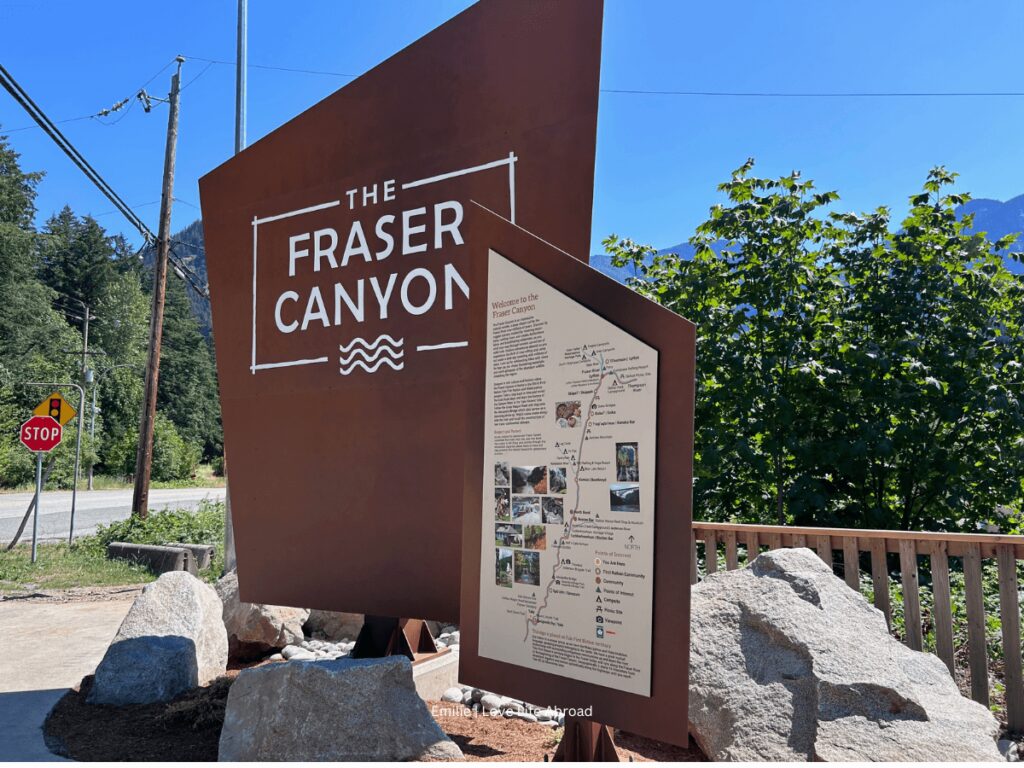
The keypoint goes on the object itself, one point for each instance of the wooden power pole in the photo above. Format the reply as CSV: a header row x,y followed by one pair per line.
x,y
144,454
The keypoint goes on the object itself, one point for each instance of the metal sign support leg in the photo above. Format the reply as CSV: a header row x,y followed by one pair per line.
x,y
39,493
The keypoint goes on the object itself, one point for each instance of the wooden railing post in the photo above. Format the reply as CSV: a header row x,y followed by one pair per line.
x,y
753,545
1009,613
710,552
823,545
880,579
942,613
911,596
693,557
977,653
731,559
851,566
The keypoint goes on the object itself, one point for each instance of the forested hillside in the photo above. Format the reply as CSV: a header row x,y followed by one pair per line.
x,y
47,277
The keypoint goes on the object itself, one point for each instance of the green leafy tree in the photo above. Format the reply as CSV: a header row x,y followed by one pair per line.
x,y
847,374
187,392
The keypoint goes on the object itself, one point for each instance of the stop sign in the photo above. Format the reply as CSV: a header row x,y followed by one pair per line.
x,y
41,433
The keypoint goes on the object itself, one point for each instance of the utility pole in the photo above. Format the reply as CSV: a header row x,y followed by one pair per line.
x,y
241,73
144,455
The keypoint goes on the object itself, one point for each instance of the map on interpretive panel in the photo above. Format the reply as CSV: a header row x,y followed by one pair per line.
x,y
567,547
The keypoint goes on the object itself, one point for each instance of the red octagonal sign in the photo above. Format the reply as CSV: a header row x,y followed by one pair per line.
x,y
41,433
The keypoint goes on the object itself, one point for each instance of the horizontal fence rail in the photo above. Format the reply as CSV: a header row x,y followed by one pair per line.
x,y
842,549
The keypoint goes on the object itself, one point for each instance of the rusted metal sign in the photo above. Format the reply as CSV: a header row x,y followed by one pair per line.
x,y
339,272
589,435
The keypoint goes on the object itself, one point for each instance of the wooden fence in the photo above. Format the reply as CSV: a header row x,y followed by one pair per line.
x,y
736,539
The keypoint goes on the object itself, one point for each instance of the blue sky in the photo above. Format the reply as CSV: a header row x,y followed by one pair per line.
x,y
659,158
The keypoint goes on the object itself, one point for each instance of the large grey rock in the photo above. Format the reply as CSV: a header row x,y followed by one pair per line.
x,y
788,663
255,629
333,625
345,710
171,641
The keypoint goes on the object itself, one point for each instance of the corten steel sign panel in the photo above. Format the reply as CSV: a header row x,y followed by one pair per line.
x,y
338,271
623,368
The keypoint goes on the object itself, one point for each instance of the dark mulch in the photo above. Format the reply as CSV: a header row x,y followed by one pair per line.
x,y
188,729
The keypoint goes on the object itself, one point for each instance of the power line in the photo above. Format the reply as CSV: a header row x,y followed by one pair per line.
x,y
128,101
819,94
37,114
51,130
719,94
277,69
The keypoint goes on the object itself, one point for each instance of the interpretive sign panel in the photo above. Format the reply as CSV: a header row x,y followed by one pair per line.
x,y
339,277
576,564
570,453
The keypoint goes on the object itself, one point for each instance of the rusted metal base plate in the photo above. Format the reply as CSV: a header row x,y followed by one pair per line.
x,y
388,636
585,741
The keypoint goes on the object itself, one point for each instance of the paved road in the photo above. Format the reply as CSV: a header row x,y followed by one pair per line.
x,y
49,647
92,509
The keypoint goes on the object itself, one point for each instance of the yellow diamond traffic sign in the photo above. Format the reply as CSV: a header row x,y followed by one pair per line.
x,y
57,407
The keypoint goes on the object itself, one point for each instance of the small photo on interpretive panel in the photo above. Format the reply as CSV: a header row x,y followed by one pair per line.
x,y
503,567
527,568
508,535
556,480
625,497
501,473
554,511
568,413
502,504
627,463
527,509
535,537
530,479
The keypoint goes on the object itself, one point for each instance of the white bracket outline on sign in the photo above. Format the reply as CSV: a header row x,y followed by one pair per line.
x,y
510,161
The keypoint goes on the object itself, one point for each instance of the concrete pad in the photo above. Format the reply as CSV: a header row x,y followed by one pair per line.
x,y
434,677
48,648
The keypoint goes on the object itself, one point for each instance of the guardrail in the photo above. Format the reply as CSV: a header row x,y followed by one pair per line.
x,y
970,548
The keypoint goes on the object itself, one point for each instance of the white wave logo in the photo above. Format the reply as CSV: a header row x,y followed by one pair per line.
x,y
371,355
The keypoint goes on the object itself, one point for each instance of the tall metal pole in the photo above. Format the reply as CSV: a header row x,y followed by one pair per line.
x,y
144,455
79,428
39,492
92,430
241,72
241,60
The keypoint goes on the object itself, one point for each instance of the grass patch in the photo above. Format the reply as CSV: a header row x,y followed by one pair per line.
x,y
61,567
203,478
85,563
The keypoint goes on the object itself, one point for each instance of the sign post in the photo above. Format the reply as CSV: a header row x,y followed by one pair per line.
x,y
40,434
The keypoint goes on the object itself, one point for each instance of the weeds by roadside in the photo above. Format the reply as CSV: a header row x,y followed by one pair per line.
x,y
85,563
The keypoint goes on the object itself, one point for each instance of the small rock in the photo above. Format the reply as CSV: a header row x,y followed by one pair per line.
x,y
449,629
547,714
276,657
548,723
290,650
439,644
303,656
453,695
467,698
454,638
1009,748
512,706
444,635
478,694
524,716
491,702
